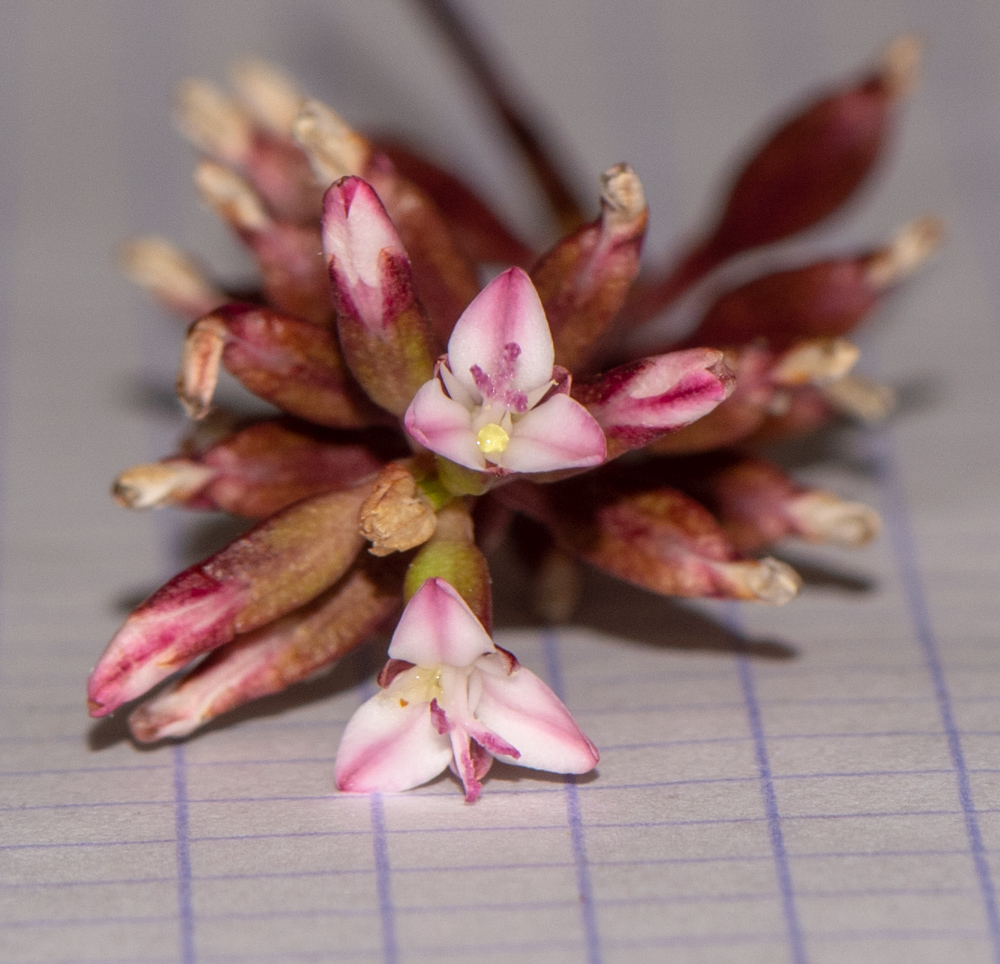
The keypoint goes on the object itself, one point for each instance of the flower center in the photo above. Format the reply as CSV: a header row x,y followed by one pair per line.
x,y
492,438
421,684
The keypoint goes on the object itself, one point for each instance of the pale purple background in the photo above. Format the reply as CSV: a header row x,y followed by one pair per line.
x,y
841,805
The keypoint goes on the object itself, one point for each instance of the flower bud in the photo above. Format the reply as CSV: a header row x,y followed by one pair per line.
x,y
170,277
257,471
292,363
397,515
584,279
827,299
642,400
273,569
384,331
288,255
274,657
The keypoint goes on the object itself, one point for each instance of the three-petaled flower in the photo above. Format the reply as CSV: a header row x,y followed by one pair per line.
x,y
497,403
451,697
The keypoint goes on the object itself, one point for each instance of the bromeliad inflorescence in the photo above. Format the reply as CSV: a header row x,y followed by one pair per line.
x,y
423,413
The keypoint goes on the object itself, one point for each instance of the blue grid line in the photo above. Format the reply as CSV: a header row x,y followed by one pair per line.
x,y
383,871
550,648
185,910
912,582
793,926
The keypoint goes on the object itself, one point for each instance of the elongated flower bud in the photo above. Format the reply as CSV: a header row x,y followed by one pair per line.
x,y
813,163
477,229
803,172
273,657
278,566
170,276
444,278
452,554
288,255
826,299
659,538
642,400
759,505
584,279
259,470
275,165
384,331
293,363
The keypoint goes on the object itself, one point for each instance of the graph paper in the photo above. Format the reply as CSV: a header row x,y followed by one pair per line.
x,y
819,783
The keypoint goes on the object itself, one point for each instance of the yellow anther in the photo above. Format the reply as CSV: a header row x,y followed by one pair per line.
x,y
492,438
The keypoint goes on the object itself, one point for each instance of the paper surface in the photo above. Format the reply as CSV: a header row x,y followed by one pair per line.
x,y
826,791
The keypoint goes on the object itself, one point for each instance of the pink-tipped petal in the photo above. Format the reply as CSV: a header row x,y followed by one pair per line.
x,y
437,628
524,712
464,765
390,745
443,425
506,312
558,434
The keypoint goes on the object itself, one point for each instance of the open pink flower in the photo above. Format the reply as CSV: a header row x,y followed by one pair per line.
x,y
495,403
451,697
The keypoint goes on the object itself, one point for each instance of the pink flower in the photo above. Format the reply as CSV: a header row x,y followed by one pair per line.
x,y
452,698
496,402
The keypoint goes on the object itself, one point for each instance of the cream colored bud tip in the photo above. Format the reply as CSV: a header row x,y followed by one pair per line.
x,y
157,484
268,93
212,121
231,196
901,64
622,194
335,150
158,266
816,362
911,247
773,582
860,398
823,517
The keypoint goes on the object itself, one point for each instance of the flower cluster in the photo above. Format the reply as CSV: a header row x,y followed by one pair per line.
x,y
422,414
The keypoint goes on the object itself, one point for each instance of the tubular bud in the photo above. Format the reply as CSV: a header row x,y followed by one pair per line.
x,y
584,279
284,360
445,280
276,567
642,400
659,539
274,657
257,471
288,255
169,276
384,331
759,505
452,554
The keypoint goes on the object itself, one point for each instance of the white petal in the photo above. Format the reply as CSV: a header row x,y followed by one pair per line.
x,y
522,710
506,311
558,434
389,747
437,628
443,425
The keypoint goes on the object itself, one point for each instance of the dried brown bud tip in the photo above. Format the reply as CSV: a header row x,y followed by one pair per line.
x,y
816,362
159,484
212,121
169,276
823,517
334,149
397,515
860,398
270,95
914,244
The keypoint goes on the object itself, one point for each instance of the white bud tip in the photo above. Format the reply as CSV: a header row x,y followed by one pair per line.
x,y
199,373
860,398
771,581
901,64
159,483
232,197
816,362
212,121
267,92
822,517
335,150
167,273
622,196
914,244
